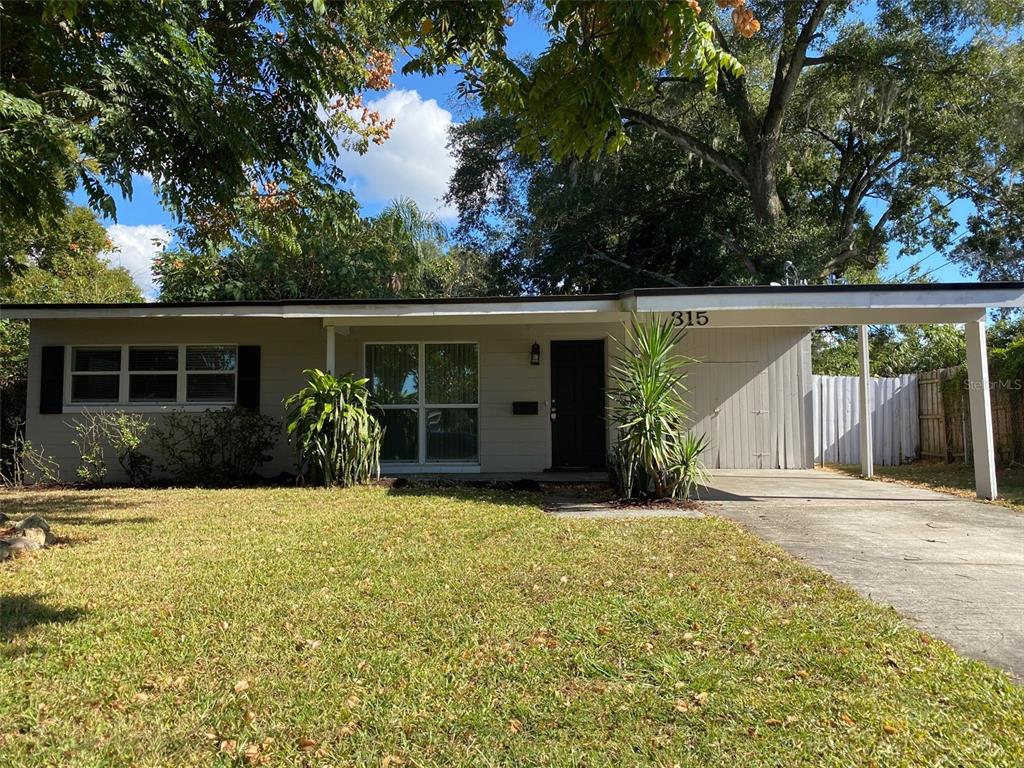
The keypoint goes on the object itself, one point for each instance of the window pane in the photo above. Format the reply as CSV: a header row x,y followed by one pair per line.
x,y
452,434
210,387
152,358
210,358
451,373
401,434
91,388
392,370
153,386
96,359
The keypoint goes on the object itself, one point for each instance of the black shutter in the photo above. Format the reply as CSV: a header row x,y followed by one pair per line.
x,y
249,378
51,380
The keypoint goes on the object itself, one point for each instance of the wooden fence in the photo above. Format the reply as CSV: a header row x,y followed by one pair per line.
x,y
946,418
895,426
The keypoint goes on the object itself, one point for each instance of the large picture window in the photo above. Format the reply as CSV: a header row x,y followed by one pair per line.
x,y
154,374
428,395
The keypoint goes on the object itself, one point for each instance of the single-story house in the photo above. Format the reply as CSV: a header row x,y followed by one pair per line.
x,y
509,385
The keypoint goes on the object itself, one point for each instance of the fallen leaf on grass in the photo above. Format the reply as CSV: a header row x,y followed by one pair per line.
x,y
515,726
389,760
847,720
241,685
889,728
306,744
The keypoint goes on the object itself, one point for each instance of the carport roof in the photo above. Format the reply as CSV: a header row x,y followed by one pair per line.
x,y
735,306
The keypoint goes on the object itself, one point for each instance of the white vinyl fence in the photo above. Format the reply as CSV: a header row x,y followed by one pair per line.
x,y
895,425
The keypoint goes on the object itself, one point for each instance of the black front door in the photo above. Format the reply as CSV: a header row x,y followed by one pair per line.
x,y
577,404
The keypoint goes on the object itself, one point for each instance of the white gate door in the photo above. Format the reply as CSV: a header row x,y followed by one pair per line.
x,y
739,429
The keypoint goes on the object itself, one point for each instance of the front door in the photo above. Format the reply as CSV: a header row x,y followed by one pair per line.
x,y
577,404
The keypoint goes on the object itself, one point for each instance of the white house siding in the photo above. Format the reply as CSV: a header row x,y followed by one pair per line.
x,y
751,393
287,346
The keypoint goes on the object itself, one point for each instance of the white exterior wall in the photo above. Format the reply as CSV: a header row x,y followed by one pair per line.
x,y
287,346
751,394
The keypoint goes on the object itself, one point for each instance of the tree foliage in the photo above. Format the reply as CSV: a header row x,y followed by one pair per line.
x,y
60,262
208,99
851,128
320,247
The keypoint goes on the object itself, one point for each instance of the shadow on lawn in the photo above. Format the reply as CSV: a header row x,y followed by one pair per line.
x,y
72,508
19,613
462,492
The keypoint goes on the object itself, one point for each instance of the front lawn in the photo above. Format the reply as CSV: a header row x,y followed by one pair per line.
x,y
957,479
418,628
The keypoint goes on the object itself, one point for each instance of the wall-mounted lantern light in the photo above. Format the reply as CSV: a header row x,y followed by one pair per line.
x,y
535,354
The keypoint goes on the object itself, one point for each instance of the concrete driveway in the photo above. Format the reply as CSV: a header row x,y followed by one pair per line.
x,y
954,567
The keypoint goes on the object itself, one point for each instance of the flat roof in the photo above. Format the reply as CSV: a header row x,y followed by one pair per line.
x,y
694,291
775,304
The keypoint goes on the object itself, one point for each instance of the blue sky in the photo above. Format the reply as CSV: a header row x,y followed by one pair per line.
x,y
413,163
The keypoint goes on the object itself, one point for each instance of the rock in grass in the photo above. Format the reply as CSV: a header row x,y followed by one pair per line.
x,y
20,545
38,522
38,535
5,551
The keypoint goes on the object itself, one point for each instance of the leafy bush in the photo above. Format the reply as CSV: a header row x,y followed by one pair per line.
x,y
654,457
125,433
215,447
89,439
337,440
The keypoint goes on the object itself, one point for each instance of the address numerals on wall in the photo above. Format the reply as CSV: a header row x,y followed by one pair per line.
x,y
686,319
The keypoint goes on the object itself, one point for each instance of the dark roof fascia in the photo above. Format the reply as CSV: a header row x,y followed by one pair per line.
x,y
716,290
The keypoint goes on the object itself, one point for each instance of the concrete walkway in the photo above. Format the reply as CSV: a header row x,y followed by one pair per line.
x,y
954,567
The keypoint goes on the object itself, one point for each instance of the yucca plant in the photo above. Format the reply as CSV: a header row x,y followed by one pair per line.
x,y
654,456
336,437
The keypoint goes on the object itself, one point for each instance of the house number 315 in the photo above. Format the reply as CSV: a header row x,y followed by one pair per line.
x,y
683,319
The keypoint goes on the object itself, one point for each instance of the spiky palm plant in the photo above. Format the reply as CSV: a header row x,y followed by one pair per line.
x,y
337,440
654,456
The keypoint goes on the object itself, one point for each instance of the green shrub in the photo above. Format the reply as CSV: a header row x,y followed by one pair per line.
x,y
654,456
89,440
215,447
337,440
125,433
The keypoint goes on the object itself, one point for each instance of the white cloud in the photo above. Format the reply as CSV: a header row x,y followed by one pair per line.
x,y
414,162
136,252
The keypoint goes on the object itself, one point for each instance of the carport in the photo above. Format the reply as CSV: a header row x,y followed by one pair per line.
x,y
816,306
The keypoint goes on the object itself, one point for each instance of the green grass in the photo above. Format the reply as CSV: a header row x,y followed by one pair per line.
x,y
437,628
957,479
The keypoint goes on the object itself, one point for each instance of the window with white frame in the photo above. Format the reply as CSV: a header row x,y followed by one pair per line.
x,y
201,374
428,395
96,374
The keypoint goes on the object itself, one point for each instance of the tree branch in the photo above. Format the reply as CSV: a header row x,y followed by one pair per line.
x,y
787,71
597,254
688,141
734,248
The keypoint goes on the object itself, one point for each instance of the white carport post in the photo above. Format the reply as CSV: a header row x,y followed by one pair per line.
x,y
867,446
981,410
329,361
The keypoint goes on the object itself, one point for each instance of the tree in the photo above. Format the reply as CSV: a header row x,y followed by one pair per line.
x,y
645,216
62,262
317,246
893,350
841,134
214,101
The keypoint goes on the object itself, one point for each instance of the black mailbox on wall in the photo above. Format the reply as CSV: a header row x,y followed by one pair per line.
x,y
525,408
